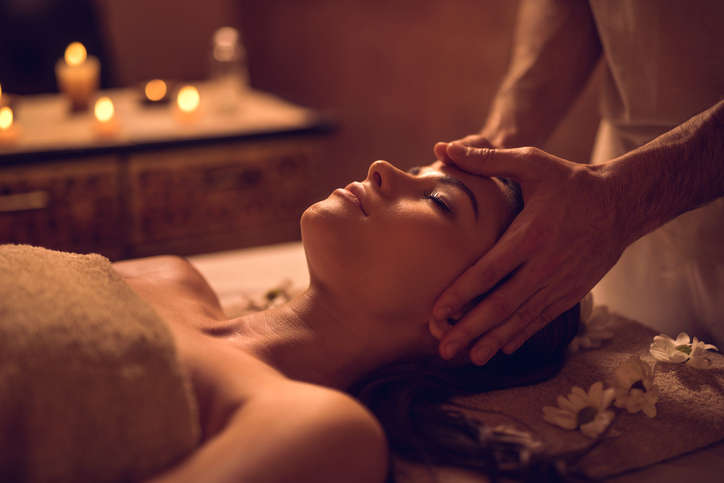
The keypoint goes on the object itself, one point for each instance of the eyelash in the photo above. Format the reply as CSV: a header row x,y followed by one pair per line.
x,y
438,199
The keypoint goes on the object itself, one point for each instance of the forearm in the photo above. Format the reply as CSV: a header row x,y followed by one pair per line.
x,y
676,172
555,49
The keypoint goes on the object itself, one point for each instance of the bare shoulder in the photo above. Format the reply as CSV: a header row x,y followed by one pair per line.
x,y
327,435
160,278
164,267
292,432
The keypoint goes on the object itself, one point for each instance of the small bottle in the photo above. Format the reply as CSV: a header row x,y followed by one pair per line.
x,y
229,73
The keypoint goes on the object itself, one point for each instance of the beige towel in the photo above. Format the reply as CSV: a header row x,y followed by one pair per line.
x,y
690,410
90,387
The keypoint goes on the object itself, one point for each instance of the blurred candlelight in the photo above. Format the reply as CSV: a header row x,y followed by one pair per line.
x,y
6,118
78,76
188,101
156,91
8,132
106,124
75,54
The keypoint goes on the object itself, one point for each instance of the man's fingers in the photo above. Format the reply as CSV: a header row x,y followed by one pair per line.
x,y
440,151
494,309
513,320
543,319
506,163
472,140
477,280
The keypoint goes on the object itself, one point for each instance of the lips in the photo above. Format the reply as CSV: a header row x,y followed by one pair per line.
x,y
355,193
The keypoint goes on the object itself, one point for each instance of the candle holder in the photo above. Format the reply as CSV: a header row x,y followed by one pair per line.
x,y
78,76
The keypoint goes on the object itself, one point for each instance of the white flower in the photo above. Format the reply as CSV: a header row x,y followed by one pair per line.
x,y
634,388
585,411
594,326
666,349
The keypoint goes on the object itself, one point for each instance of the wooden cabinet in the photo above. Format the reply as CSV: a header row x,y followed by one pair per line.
x,y
69,205
160,186
199,199
183,200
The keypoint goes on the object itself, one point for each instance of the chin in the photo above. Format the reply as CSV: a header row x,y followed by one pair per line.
x,y
328,240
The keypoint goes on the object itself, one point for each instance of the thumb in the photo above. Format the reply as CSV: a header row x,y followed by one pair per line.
x,y
505,163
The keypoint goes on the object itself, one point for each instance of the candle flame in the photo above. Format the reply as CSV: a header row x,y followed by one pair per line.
x,y
1,90
75,54
188,99
6,118
104,109
156,90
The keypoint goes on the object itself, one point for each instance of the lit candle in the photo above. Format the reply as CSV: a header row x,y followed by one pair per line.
x,y
156,91
106,124
8,132
188,101
78,76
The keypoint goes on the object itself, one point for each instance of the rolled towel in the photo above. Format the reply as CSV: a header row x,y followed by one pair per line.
x,y
91,389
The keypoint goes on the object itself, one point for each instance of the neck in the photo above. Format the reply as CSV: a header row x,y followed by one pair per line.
x,y
312,339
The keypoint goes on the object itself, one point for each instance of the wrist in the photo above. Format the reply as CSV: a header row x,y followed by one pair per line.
x,y
623,187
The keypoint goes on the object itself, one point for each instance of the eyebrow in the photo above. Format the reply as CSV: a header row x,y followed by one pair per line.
x,y
453,181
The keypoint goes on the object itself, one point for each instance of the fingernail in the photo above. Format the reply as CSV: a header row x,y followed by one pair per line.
x,y
443,313
482,355
458,148
451,349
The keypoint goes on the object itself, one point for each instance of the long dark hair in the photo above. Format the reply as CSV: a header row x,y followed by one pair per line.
x,y
407,399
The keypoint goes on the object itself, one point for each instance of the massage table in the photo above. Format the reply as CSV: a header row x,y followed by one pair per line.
x,y
239,276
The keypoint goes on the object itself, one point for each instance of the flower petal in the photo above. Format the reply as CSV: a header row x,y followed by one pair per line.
x,y
606,398
594,392
564,419
567,405
650,410
682,339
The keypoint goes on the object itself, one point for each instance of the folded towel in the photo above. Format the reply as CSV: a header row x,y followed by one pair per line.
x,y
690,410
90,386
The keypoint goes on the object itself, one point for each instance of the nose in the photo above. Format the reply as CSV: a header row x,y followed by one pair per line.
x,y
384,177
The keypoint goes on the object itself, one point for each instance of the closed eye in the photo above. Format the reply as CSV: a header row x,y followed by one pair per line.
x,y
439,200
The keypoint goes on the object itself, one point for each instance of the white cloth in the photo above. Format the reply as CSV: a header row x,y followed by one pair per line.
x,y
665,63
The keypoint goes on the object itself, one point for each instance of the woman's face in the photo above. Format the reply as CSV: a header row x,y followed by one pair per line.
x,y
392,243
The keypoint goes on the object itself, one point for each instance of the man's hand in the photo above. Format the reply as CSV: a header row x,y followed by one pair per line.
x,y
472,141
563,242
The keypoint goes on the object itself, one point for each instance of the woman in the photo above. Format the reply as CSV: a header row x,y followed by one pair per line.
x,y
268,385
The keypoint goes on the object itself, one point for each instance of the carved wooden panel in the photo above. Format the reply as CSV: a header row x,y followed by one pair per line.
x,y
207,192
73,205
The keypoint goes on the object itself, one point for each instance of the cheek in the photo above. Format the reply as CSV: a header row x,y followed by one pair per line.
x,y
421,257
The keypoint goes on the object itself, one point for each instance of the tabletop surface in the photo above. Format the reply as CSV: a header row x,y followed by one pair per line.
x,y
44,123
